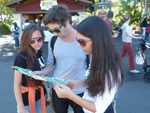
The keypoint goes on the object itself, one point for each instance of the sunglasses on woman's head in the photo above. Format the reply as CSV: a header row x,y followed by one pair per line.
x,y
39,39
82,42
56,30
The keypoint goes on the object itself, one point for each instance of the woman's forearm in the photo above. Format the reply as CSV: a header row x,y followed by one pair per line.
x,y
81,83
17,88
65,92
18,96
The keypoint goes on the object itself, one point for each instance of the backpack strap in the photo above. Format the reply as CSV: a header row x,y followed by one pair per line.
x,y
53,40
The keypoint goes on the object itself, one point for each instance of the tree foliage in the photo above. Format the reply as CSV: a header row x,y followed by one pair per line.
x,y
5,12
91,7
4,29
148,1
132,7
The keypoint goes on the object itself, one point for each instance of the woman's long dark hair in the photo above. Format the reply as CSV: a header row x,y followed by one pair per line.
x,y
28,53
106,63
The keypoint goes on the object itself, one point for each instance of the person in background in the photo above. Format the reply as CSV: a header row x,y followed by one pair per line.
x,y
15,33
106,73
70,60
37,22
144,25
30,93
147,32
127,41
110,15
25,24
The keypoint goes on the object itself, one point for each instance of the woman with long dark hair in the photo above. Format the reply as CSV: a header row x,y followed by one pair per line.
x,y
105,75
29,92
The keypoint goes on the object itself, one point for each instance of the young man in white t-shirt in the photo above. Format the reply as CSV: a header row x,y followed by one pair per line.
x,y
127,41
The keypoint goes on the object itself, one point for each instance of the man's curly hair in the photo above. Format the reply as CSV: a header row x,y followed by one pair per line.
x,y
57,14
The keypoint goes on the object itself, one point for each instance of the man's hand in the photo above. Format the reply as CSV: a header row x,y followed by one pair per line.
x,y
38,73
115,32
115,35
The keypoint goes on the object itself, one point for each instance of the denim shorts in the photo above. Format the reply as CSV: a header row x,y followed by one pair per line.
x,y
38,107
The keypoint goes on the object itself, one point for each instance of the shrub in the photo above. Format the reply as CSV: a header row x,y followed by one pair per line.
x,y
4,29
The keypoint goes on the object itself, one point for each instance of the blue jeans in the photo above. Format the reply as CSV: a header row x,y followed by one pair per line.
x,y
147,35
16,41
144,31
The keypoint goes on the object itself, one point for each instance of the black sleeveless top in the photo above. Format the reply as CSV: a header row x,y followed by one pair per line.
x,y
21,62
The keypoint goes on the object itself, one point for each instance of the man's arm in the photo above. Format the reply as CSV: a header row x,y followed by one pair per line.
x,y
128,34
50,61
48,68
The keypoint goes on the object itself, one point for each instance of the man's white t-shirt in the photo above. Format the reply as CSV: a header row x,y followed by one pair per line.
x,y
126,28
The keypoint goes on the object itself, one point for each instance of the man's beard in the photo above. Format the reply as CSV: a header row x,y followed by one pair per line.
x,y
64,35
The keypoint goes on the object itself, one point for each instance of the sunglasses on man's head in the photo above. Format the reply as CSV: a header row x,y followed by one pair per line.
x,y
82,42
56,30
39,39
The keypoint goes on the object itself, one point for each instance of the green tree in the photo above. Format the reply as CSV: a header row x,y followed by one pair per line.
x,y
90,9
131,7
5,12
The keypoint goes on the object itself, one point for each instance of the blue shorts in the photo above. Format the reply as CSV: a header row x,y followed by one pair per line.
x,y
38,107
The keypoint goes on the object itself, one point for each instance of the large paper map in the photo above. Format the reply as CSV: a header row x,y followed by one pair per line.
x,y
29,73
